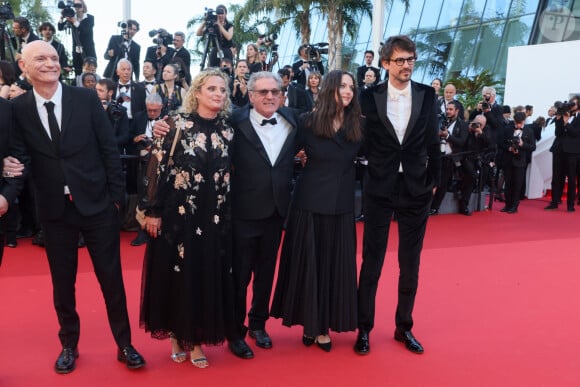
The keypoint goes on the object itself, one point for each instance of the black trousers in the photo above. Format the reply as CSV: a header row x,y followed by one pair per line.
x,y
412,214
101,233
256,244
559,168
514,181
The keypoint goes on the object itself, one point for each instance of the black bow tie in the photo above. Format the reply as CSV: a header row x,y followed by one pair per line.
x,y
149,83
271,121
124,87
22,40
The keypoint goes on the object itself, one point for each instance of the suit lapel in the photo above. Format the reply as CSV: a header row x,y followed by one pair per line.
x,y
381,96
245,126
417,96
289,143
36,122
67,108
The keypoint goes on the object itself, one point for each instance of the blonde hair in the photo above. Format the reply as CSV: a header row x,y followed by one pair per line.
x,y
191,104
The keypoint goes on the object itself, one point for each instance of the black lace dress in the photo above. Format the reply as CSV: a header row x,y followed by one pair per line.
x,y
187,285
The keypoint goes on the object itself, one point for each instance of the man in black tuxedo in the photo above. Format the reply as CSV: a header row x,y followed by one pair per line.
x,y
63,138
160,54
182,53
404,168
81,25
518,144
128,93
362,70
123,46
5,125
295,96
453,135
305,65
263,158
22,36
568,152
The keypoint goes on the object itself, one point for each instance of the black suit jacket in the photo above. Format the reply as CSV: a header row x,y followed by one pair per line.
x,y
88,163
362,70
458,138
419,152
158,63
569,135
300,75
260,189
298,99
116,44
18,48
5,128
510,159
60,50
138,96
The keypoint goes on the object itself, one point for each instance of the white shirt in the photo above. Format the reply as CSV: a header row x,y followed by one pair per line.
x,y
273,137
126,104
450,128
399,110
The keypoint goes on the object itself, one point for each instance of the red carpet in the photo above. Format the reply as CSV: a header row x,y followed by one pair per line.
x,y
497,306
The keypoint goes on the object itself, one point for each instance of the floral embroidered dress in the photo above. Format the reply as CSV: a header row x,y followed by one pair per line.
x,y
187,285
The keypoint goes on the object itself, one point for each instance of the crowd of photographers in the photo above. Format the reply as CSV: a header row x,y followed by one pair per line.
x,y
489,148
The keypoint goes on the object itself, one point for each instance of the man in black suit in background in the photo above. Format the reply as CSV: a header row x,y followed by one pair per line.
x,y
47,31
123,46
404,168
306,64
64,140
23,35
263,161
5,124
362,70
81,25
294,97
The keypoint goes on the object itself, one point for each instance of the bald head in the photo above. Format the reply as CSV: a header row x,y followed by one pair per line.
x,y
39,62
449,92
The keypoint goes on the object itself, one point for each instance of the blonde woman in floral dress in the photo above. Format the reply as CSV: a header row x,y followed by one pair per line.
x,y
187,284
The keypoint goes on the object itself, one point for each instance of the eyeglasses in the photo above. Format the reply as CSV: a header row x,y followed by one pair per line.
x,y
264,92
401,61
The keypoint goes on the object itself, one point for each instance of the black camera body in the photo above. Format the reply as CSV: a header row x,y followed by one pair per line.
x,y
68,8
161,37
562,107
6,12
484,105
115,110
269,38
211,19
315,50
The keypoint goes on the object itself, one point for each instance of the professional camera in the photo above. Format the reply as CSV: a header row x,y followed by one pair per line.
x,y
514,142
115,110
269,38
68,8
226,70
6,12
123,26
485,105
211,19
562,107
145,143
315,50
443,125
274,51
161,37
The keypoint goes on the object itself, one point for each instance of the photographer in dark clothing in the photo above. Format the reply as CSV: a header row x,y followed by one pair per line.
x,y
566,152
309,61
517,145
116,113
160,54
81,26
217,29
453,134
123,46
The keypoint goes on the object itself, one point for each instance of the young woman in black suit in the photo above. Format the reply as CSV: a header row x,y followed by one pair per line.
x,y
316,284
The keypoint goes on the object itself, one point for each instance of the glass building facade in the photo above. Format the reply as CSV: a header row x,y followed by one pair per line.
x,y
458,37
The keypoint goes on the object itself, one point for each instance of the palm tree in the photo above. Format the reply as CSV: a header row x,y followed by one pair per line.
x,y
469,88
341,15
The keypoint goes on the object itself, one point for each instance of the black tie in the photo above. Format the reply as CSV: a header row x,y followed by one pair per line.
x,y
149,83
271,121
53,125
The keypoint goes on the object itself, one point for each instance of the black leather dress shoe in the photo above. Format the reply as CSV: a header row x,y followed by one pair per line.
x,y
65,363
512,210
551,206
571,209
505,209
362,345
130,357
409,340
240,349
433,211
140,239
263,340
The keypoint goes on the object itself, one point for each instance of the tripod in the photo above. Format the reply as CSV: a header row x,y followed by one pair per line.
x,y
211,41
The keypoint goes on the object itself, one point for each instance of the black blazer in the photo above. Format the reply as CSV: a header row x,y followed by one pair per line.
x,y
458,139
419,153
300,75
362,70
138,96
60,50
115,44
158,63
31,38
569,135
260,189
89,161
298,99
510,159
5,126
327,183
85,33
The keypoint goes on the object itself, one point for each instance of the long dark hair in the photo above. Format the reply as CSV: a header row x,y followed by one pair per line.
x,y
327,109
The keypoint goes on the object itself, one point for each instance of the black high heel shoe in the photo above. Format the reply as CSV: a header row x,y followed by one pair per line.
x,y
326,347
307,341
